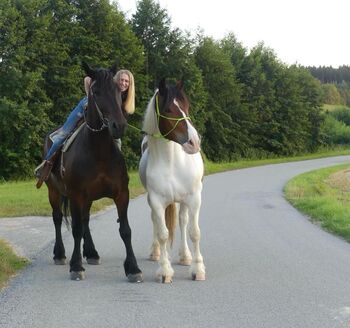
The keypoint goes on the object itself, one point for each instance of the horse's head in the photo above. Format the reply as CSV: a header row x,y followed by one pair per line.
x,y
104,102
172,108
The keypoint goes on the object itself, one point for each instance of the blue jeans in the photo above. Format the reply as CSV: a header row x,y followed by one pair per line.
x,y
59,136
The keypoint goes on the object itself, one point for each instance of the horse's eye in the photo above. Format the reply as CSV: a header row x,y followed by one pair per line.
x,y
96,92
167,110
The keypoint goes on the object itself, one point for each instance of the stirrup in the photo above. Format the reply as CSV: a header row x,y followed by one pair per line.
x,y
37,171
42,172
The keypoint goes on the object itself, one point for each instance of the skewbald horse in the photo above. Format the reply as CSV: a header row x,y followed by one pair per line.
x,y
171,170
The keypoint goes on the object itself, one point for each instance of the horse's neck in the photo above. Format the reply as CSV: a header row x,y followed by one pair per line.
x,y
99,143
163,150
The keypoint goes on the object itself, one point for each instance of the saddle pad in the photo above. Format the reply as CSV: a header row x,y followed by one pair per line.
x,y
70,139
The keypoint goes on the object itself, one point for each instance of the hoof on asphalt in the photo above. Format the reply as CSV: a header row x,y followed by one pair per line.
x,y
167,279
77,275
93,261
154,257
198,276
60,261
137,277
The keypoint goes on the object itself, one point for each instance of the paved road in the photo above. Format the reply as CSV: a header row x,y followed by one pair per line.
x,y
267,266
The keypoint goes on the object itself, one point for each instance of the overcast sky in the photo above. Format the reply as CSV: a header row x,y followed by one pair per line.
x,y
306,32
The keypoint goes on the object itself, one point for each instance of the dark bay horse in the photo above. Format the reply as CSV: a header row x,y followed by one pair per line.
x,y
92,168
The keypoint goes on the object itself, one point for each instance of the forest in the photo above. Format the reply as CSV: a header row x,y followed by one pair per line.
x,y
245,103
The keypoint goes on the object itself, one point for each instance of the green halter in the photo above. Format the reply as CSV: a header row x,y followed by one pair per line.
x,y
159,115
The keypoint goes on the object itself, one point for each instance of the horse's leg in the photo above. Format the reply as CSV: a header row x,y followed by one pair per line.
x,y
55,201
89,250
76,266
165,272
155,250
197,267
131,268
184,251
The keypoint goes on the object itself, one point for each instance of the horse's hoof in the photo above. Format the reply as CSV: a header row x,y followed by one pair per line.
x,y
136,277
185,261
167,279
154,257
198,276
60,261
77,275
93,261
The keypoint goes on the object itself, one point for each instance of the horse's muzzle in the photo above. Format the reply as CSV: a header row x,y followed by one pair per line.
x,y
116,130
192,146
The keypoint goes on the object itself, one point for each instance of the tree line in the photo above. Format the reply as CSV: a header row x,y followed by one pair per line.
x,y
245,104
328,74
335,83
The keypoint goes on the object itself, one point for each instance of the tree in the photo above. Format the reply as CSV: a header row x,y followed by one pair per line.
x,y
330,94
169,54
23,100
225,137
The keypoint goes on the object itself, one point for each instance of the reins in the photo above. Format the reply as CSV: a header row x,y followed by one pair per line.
x,y
103,119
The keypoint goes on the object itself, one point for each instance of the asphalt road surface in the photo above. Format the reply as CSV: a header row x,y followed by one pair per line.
x,y
267,266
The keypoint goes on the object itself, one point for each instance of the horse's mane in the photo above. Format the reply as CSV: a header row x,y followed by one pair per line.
x,y
150,125
104,79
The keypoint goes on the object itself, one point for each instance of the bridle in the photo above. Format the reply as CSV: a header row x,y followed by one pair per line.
x,y
102,118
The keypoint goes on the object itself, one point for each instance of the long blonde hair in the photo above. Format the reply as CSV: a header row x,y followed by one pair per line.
x,y
129,104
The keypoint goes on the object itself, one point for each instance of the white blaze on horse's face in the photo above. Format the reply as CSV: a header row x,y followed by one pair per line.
x,y
193,143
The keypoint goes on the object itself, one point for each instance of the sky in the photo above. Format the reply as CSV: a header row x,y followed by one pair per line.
x,y
305,32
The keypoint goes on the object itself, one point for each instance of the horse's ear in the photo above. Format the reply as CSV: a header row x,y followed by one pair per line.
x,y
162,87
180,85
114,68
88,70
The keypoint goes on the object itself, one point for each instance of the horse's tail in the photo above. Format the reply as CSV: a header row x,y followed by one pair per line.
x,y
66,212
170,221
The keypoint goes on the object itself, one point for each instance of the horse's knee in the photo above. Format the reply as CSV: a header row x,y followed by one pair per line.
x,y
163,236
195,234
125,231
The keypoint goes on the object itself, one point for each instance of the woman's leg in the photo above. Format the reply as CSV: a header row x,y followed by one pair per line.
x,y
44,169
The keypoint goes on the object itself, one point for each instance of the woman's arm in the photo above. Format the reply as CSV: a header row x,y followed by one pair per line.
x,y
87,83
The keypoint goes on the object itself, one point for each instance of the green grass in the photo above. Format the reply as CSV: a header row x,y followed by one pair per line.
x,y
21,198
10,264
331,108
211,167
325,204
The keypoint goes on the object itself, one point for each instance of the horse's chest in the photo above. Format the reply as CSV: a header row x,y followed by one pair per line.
x,y
165,182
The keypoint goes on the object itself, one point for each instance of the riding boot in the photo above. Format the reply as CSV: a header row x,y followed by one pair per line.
x,y
42,172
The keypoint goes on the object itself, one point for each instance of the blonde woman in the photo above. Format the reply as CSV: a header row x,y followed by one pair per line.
x,y
125,83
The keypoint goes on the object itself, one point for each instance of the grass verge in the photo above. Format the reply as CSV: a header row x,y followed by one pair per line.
x,y
21,198
323,198
10,263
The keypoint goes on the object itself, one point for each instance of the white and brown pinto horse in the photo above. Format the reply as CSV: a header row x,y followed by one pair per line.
x,y
171,170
